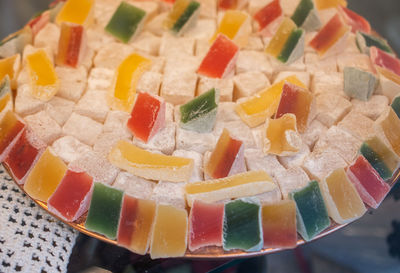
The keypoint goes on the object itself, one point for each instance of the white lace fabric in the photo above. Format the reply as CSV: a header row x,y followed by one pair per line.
x,y
31,240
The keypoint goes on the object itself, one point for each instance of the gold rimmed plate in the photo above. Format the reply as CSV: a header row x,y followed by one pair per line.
x,y
206,252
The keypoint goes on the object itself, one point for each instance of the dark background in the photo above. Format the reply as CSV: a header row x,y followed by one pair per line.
x,y
363,246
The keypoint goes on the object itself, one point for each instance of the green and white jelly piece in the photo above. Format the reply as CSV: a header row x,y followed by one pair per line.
x,y
242,225
306,16
311,212
187,19
200,114
364,41
104,210
293,48
359,84
126,22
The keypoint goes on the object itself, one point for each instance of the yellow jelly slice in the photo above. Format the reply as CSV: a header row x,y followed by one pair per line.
x,y
10,66
326,4
176,12
45,176
141,236
277,43
169,237
235,186
389,128
76,11
122,94
256,109
232,25
149,165
341,197
281,136
44,80
388,74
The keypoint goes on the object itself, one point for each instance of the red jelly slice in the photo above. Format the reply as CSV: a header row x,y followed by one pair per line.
x,y
385,60
369,184
227,4
36,24
10,128
127,220
72,196
147,117
328,35
23,155
219,60
356,21
205,225
70,45
268,14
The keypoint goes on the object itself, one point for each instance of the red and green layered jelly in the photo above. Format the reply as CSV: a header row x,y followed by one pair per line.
x,y
356,21
72,196
370,186
104,210
205,224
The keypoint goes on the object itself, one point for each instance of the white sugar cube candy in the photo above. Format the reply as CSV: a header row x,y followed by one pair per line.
x,y
68,148
46,128
93,105
291,179
169,193
72,82
133,185
83,128
59,109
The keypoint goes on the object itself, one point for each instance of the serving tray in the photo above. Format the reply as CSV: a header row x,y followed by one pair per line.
x,y
205,252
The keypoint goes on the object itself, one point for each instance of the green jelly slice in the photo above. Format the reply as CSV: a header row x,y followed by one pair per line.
x,y
242,225
365,41
104,210
311,213
291,44
396,105
186,16
302,11
381,158
200,113
125,22
359,84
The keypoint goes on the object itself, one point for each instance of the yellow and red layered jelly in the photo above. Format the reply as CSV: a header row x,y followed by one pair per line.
x,y
257,108
341,198
268,17
135,224
122,94
329,35
370,186
220,59
227,158
70,45
279,224
10,66
72,197
23,155
206,222
297,101
10,128
147,117
388,128
169,236
45,176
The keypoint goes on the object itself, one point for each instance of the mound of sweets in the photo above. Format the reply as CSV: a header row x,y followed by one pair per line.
x,y
170,126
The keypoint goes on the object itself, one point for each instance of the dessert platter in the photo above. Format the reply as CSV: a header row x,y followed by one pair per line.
x,y
201,128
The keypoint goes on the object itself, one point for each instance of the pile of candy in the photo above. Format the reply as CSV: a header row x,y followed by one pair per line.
x,y
175,125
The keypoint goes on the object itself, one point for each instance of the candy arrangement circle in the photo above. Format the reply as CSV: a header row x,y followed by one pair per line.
x,y
201,128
